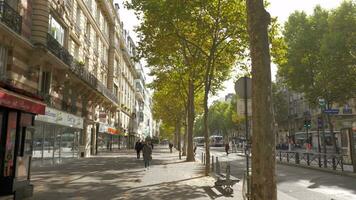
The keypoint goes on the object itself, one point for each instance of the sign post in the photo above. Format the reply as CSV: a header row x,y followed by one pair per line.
x,y
243,88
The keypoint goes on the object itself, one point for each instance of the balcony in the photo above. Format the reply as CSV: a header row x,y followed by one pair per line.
x,y
58,50
10,17
78,68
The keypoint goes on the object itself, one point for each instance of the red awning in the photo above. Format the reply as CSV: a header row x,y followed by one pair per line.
x,y
20,102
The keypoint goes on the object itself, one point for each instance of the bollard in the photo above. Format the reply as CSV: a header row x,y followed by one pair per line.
x,y
228,171
334,163
308,159
296,158
202,157
287,157
212,163
217,164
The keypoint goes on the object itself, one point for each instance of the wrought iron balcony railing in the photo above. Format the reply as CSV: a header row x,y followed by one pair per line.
x,y
58,50
10,17
78,68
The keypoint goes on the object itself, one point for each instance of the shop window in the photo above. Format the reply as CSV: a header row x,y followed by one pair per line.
x,y
56,30
38,141
10,145
48,142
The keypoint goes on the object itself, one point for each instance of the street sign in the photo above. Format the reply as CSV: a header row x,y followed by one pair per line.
x,y
332,111
240,87
321,102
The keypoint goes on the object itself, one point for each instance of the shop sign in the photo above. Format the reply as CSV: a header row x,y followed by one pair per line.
x,y
15,101
61,118
106,128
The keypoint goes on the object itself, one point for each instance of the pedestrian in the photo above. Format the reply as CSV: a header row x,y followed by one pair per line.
x,y
138,148
195,149
227,147
170,147
147,155
152,145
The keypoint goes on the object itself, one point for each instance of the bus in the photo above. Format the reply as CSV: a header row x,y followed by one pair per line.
x,y
199,141
216,141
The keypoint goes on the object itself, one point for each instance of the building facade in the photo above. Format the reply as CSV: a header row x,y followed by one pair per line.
x,y
67,84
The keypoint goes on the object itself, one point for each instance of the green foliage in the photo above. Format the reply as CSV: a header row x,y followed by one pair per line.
x,y
222,120
319,61
280,104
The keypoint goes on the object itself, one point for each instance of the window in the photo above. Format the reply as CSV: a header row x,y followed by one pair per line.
x,y
13,4
116,90
76,51
78,19
87,30
3,61
56,30
45,82
88,3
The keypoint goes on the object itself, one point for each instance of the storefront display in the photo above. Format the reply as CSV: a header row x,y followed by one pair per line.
x,y
108,137
57,137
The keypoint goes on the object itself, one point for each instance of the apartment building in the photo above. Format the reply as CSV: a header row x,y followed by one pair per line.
x,y
67,84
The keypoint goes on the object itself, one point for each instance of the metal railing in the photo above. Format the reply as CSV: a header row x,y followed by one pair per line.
x,y
58,50
78,68
10,17
322,160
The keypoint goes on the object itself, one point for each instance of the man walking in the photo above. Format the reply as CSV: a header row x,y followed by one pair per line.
x,y
147,155
227,148
170,147
138,148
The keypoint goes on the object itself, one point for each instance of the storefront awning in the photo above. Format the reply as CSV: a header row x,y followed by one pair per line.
x,y
21,102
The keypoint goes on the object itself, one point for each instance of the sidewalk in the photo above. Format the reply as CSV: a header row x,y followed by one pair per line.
x,y
120,176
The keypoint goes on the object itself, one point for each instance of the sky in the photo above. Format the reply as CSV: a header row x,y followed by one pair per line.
x,y
278,8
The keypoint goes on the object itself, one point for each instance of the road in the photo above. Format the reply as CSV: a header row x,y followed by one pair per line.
x,y
295,182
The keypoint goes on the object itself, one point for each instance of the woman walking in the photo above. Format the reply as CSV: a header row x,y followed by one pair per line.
x,y
147,155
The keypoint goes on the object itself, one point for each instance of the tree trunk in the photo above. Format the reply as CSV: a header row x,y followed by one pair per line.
x,y
185,138
191,117
175,139
178,131
206,133
263,140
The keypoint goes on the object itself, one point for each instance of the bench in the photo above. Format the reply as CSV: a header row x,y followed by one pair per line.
x,y
225,181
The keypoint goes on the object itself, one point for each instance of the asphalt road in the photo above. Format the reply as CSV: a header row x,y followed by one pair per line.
x,y
296,182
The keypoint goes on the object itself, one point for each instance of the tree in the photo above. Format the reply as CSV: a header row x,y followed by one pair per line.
x,y
167,51
208,36
263,142
319,61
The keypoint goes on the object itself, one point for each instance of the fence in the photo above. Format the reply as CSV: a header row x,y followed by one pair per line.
x,y
332,161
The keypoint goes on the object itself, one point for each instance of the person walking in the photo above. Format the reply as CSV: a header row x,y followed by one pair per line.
x,y
147,155
170,147
227,148
138,148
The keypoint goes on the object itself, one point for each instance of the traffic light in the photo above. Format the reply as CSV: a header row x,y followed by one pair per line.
x,y
307,123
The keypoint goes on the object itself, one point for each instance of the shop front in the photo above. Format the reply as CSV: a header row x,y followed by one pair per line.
x,y
57,137
108,138
17,114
